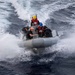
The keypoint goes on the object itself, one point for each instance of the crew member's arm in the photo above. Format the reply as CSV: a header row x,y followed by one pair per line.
x,y
33,35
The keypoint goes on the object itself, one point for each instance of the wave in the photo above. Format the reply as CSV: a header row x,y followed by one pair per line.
x,y
25,9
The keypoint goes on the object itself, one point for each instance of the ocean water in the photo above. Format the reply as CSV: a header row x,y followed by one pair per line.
x,y
18,60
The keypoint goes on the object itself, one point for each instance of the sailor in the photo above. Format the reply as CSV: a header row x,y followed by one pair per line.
x,y
25,30
40,30
30,34
34,21
47,32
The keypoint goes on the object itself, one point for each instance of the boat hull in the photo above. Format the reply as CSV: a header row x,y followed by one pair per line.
x,y
41,42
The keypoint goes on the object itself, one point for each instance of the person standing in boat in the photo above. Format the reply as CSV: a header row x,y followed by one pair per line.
x,y
30,34
47,32
34,21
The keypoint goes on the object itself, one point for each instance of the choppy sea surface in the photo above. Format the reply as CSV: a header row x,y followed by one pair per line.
x,y
58,59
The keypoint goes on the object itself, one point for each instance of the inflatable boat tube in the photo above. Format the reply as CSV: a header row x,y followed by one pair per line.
x,y
40,42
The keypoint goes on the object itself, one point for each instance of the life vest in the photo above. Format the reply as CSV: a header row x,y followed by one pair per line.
x,y
40,30
35,22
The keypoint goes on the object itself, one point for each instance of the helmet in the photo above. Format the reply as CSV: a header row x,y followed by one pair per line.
x,y
31,28
27,27
34,17
41,24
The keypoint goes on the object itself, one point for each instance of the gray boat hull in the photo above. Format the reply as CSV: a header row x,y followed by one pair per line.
x,y
41,42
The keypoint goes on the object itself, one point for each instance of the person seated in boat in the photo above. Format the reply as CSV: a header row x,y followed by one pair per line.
x,y
47,32
25,30
30,34
34,21
40,30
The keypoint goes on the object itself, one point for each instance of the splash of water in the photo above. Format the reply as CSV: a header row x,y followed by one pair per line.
x,y
9,43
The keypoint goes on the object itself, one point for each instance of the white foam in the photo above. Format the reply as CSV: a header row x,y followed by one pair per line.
x,y
9,43
43,13
66,46
3,15
9,46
